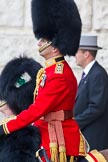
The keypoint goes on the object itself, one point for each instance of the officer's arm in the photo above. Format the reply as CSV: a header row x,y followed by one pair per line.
x,y
45,102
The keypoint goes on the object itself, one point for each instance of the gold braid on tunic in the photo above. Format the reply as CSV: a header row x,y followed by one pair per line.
x,y
39,77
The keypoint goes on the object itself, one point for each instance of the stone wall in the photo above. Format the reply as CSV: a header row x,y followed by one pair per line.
x,y
16,37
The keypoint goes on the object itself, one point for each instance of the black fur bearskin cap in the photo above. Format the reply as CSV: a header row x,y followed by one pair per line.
x,y
57,21
17,83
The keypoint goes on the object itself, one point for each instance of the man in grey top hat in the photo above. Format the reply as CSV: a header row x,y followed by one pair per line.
x,y
91,107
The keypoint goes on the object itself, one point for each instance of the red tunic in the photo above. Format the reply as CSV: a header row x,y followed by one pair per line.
x,y
57,93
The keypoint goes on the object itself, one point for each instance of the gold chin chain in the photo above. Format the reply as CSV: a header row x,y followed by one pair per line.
x,y
43,47
39,77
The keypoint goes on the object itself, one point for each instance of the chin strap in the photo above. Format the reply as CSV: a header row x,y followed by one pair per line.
x,y
2,103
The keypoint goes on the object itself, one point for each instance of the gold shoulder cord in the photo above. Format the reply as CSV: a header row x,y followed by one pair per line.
x,y
39,77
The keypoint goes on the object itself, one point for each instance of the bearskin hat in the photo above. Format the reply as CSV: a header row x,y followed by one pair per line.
x,y
17,83
59,22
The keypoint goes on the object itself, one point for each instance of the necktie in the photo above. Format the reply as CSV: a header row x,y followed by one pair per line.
x,y
82,78
83,75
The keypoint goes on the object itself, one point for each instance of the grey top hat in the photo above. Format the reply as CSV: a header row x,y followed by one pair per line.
x,y
89,43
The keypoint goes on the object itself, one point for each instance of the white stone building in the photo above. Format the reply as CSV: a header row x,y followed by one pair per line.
x,y
16,36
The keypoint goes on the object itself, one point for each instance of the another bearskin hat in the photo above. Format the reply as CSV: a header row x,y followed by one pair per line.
x,y
57,21
17,83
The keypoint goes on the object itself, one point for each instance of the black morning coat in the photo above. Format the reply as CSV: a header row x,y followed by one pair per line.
x,y
91,107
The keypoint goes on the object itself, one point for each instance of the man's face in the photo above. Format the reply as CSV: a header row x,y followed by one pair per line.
x,y
80,58
45,48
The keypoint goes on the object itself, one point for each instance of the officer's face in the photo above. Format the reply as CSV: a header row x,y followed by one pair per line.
x,y
45,48
80,58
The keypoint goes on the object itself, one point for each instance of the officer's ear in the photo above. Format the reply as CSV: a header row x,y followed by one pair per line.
x,y
55,50
86,54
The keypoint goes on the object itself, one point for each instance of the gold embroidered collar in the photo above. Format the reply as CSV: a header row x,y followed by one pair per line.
x,y
54,60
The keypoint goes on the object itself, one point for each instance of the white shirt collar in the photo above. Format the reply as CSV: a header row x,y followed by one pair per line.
x,y
88,67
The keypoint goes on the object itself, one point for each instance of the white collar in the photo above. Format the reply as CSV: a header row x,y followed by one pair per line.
x,y
88,67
